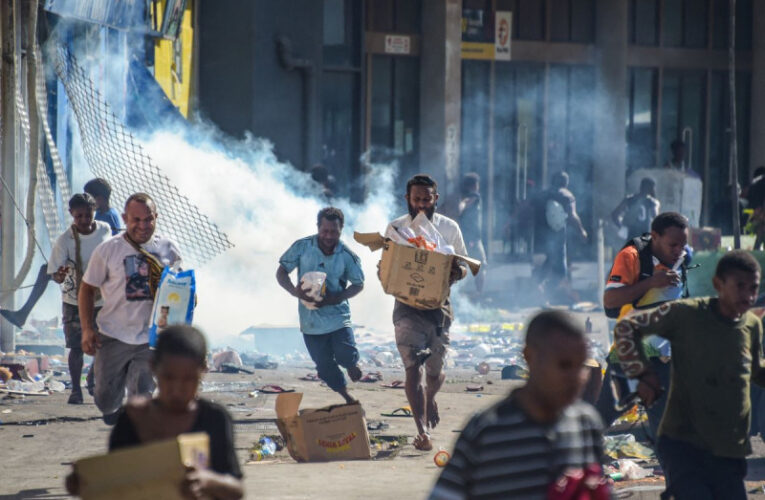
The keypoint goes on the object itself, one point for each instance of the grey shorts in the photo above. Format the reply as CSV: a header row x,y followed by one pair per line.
x,y
415,334
120,367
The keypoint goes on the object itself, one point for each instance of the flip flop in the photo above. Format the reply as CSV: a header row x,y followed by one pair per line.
x,y
377,425
310,377
396,384
274,389
404,411
474,388
371,377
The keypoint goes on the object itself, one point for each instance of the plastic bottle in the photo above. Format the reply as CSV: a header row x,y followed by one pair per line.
x,y
267,446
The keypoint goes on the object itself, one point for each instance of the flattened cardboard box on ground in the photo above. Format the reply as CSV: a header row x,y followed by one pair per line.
x,y
143,472
417,277
320,435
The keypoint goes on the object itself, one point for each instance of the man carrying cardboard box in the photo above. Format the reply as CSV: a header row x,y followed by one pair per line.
x,y
422,335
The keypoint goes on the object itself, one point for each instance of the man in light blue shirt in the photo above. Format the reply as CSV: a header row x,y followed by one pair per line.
x,y
326,326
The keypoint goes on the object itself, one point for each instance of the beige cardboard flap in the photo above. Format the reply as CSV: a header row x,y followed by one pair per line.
x,y
287,404
374,241
474,265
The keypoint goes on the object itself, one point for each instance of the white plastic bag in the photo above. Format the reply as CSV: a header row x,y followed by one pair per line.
x,y
632,470
314,283
421,233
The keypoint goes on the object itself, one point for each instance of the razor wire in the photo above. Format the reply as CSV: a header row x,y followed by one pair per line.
x,y
114,154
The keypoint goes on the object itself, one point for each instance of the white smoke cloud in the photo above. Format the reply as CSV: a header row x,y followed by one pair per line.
x,y
249,197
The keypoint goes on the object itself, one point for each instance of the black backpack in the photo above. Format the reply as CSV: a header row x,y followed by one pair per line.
x,y
643,246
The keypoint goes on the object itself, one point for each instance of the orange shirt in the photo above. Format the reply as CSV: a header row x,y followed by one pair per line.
x,y
626,271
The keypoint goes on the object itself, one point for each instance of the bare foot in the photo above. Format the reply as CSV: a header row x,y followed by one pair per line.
x,y
354,372
432,413
423,442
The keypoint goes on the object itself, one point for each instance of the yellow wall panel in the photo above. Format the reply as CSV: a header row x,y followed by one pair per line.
x,y
170,54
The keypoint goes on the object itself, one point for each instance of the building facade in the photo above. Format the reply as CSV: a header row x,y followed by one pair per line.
x,y
596,88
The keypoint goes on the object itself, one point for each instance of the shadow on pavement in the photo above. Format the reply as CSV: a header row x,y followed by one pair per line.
x,y
756,469
35,493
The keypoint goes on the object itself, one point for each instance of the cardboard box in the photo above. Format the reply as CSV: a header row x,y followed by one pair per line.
x,y
320,435
417,277
143,472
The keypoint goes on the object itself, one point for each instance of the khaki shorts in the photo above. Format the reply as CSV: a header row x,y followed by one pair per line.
x,y
415,334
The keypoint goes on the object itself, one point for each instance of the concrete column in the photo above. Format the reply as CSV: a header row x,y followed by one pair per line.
x,y
8,166
611,89
440,91
757,118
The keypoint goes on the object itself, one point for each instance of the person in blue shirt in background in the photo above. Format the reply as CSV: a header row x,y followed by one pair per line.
x,y
101,191
326,325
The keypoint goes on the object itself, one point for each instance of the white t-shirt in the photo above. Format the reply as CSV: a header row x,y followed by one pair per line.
x,y
448,228
65,255
122,274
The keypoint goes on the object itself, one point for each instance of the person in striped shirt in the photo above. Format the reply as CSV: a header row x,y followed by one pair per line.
x,y
520,447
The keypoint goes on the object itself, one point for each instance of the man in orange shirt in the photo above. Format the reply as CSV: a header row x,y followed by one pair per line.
x,y
647,272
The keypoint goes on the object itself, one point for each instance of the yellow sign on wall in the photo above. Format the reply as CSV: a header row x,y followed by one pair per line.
x,y
173,60
477,50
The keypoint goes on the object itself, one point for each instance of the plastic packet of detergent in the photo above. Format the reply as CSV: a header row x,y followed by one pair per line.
x,y
314,283
174,301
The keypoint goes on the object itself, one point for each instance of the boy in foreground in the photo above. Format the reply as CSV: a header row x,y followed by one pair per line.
x,y
520,447
179,363
716,353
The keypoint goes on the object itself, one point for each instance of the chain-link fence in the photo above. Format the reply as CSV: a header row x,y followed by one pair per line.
x,y
114,154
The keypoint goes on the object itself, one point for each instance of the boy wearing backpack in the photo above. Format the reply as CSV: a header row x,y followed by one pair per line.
x,y
647,272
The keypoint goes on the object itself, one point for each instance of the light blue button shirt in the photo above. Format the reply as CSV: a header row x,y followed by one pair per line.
x,y
342,267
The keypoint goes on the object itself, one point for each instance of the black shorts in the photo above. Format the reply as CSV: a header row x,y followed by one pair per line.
x,y
70,317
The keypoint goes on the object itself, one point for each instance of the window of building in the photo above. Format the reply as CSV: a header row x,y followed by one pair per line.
x,y
721,23
641,119
477,21
682,115
572,21
342,33
340,91
717,186
672,23
528,19
340,127
399,16
644,22
684,23
394,120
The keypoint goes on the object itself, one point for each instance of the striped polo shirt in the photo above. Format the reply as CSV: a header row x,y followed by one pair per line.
x,y
502,453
